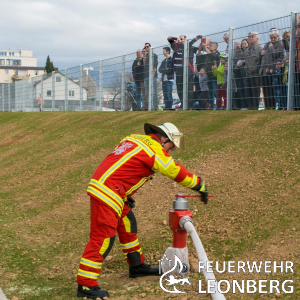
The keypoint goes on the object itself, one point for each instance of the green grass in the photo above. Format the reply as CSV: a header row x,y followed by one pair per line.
x,y
250,161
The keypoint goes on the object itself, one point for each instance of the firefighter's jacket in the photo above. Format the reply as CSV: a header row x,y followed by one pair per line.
x,y
132,164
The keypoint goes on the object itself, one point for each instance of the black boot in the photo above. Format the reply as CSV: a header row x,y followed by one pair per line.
x,y
143,270
91,292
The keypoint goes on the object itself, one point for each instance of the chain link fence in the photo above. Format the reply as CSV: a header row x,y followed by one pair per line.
x,y
251,67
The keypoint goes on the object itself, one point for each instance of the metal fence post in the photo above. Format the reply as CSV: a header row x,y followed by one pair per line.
x,y
123,83
53,90
150,91
8,87
291,80
42,94
66,89
23,95
230,69
185,74
31,93
81,89
100,85
2,93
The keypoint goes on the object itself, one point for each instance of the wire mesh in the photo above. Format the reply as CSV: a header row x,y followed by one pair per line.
x,y
192,73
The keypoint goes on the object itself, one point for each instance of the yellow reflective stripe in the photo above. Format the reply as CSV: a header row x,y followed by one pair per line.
x,y
194,182
188,181
139,250
119,163
130,245
202,189
108,201
127,224
88,274
90,263
142,181
108,191
164,165
105,245
144,146
172,170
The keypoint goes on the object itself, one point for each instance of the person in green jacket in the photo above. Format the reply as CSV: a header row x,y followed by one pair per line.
x,y
219,73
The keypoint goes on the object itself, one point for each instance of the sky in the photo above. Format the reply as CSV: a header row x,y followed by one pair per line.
x,y
78,32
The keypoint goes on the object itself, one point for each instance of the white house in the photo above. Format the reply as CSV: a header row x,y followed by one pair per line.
x,y
56,93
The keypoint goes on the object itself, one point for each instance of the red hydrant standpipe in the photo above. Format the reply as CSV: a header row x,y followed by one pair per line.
x,y
180,209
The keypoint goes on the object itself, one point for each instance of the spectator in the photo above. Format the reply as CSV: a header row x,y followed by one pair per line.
x,y
219,73
167,70
271,52
286,41
226,40
212,58
177,44
278,85
240,77
138,76
203,82
251,57
200,63
154,75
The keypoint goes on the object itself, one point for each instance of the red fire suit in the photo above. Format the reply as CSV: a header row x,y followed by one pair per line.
x,y
119,176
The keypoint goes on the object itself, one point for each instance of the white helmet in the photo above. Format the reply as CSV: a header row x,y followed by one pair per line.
x,y
168,130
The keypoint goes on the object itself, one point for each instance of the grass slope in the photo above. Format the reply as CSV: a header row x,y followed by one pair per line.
x,y
250,161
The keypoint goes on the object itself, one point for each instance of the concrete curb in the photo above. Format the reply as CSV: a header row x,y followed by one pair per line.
x,y
2,296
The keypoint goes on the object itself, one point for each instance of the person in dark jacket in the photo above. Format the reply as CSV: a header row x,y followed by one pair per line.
x,y
154,75
251,56
138,76
278,85
167,70
272,51
240,77
212,59
177,45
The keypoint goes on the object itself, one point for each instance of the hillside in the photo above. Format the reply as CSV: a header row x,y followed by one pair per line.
x,y
249,160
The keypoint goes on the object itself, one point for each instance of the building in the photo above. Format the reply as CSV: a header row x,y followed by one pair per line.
x,y
18,62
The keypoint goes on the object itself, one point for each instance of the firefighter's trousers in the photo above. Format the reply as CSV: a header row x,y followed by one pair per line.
x,y
104,226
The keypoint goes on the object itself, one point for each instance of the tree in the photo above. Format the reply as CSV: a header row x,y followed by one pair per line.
x,y
15,77
49,67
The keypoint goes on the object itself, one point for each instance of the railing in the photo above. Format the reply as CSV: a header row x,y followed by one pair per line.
x,y
253,80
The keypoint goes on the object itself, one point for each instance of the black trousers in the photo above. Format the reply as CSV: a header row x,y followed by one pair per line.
x,y
252,92
266,83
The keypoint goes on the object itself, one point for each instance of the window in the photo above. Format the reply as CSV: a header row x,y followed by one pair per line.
x,y
17,72
58,79
36,72
2,62
3,53
6,72
17,62
9,62
71,93
49,93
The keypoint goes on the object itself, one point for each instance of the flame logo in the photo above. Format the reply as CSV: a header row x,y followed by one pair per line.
x,y
178,266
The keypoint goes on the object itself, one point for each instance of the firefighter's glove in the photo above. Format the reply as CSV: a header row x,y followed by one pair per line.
x,y
131,202
201,188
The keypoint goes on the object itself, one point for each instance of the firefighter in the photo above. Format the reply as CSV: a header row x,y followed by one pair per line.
x,y
117,178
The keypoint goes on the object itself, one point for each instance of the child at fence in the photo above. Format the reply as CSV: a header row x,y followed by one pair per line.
x,y
219,73
277,84
203,83
285,77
